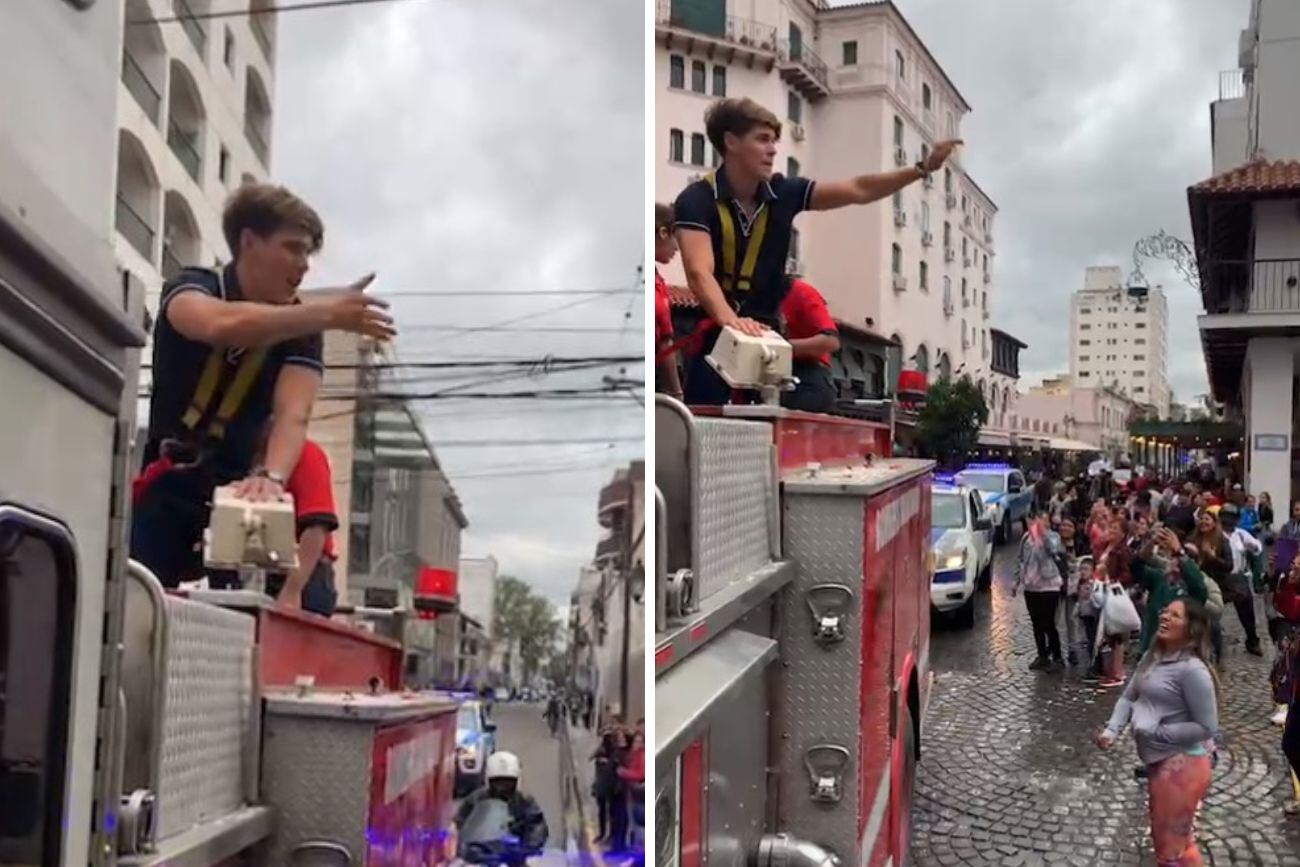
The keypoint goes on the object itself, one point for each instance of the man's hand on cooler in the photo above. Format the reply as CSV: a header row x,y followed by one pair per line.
x,y
940,154
752,327
354,311
260,489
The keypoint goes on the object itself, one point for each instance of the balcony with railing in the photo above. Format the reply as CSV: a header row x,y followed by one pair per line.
x,y
800,67
1251,286
140,87
192,26
134,227
676,24
185,146
1232,84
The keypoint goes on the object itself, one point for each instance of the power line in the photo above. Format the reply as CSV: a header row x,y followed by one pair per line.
x,y
544,329
250,12
544,364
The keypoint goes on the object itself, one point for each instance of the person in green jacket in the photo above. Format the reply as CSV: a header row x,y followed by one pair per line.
x,y
1165,571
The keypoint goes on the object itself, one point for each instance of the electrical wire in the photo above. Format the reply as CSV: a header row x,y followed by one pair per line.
x,y
504,293
250,12
546,362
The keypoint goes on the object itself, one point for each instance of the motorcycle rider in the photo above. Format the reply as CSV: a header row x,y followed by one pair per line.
x,y
527,820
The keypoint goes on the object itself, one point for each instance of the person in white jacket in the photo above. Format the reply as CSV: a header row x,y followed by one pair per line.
x,y
1240,583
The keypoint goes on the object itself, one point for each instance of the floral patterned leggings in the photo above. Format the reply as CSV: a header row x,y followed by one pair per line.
x,y
1175,789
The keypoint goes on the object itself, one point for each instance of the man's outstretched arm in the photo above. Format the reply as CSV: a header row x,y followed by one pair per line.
x,y
295,393
864,189
248,324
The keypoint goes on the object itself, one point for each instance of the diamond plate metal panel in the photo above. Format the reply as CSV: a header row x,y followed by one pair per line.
x,y
205,715
735,488
818,694
316,771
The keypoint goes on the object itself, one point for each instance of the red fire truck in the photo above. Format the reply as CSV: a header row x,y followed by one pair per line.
x,y
792,637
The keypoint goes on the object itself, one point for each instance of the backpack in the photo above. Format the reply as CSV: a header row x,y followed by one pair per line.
x,y
1213,598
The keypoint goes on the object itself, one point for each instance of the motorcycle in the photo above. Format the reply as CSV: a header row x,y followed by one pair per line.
x,y
486,838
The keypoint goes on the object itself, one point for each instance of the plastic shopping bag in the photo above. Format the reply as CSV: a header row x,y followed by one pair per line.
x,y
1120,616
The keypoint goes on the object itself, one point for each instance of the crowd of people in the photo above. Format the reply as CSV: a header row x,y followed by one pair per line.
x,y
1144,573
618,783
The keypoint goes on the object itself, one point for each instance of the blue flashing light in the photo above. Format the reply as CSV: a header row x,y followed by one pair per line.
x,y
945,479
987,467
110,822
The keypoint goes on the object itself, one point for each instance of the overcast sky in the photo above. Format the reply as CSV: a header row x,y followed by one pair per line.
x,y
1089,121
486,146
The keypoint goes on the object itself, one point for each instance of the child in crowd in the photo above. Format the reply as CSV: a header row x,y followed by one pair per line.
x,y
1069,563
1089,615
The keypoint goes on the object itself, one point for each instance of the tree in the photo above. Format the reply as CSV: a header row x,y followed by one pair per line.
x,y
948,426
524,615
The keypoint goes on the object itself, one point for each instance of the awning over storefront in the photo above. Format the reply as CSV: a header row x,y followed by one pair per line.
x,y
990,437
1066,445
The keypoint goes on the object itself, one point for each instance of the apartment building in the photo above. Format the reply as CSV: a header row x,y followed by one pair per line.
x,y
1248,244
858,92
194,122
1119,338
1063,409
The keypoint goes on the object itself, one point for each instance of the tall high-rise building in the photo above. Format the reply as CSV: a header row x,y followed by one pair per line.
x,y
857,92
194,122
1118,338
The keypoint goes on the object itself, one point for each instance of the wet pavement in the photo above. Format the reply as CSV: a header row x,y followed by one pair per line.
x,y
1009,774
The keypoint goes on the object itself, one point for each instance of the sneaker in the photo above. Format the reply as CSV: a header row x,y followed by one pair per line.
x,y
1091,677
1039,664
1253,648
1291,808
1056,665
1110,682
1279,716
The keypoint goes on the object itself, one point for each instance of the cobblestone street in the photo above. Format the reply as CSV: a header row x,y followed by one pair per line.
x,y
1010,775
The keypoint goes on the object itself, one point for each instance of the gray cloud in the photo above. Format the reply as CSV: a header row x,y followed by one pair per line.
x,y
486,146
1089,122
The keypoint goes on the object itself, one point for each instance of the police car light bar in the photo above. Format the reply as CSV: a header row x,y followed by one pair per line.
x,y
987,467
945,479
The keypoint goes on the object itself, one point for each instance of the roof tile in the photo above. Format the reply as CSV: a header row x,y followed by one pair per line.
x,y
1259,176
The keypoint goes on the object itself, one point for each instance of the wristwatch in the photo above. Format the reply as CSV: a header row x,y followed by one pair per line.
x,y
921,167
264,473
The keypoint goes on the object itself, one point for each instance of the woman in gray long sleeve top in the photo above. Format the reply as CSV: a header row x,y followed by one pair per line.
x,y
1171,701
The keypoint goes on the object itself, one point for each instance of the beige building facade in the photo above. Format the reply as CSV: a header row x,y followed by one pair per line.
x,y
1119,338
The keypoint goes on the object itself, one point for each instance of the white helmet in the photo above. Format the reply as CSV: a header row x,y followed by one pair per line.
x,y
502,766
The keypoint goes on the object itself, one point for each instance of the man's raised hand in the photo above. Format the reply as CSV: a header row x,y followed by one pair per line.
x,y
940,154
356,312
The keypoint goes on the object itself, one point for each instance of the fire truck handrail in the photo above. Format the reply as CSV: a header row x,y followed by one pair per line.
x,y
718,612
158,651
661,554
685,696
692,471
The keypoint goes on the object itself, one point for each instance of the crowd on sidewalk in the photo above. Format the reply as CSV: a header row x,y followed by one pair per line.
x,y
1144,573
618,784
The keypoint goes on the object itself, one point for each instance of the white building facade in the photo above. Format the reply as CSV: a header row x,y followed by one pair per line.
x,y
194,122
1248,244
1118,338
857,92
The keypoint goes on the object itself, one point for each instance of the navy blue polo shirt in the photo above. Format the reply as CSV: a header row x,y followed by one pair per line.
x,y
178,363
783,199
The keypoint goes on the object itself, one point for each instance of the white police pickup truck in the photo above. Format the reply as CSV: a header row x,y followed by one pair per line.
x,y
962,544
1006,495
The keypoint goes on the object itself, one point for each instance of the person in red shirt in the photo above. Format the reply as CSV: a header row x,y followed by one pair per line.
x,y
668,378
812,332
311,585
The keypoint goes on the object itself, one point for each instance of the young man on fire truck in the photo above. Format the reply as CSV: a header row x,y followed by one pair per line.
x,y
232,347
528,823
734,226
